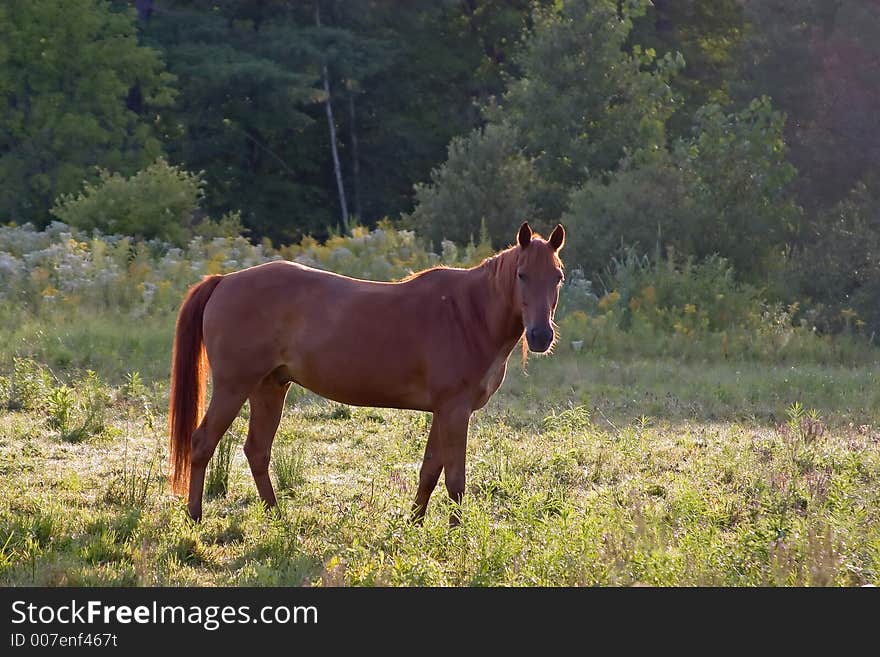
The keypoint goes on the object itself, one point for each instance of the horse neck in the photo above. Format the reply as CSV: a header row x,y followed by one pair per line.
x,y
503,318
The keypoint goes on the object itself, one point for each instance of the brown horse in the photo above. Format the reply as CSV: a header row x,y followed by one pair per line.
x,y
438,341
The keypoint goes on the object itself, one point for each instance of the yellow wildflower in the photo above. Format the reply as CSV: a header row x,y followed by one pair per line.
x,y
609,300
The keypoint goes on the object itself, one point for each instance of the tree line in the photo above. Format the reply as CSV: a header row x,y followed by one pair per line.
x,y
743,128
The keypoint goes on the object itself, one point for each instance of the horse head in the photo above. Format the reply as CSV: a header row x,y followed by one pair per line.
x,y
538,278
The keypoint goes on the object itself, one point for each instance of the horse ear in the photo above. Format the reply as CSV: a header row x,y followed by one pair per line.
x,y
557,237
524,237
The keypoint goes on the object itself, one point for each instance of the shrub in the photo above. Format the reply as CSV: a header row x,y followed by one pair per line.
x,y
640,207
840,272
723,191
161,201
678,295
486,180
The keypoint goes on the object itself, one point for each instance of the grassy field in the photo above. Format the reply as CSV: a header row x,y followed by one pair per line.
x,y
586,471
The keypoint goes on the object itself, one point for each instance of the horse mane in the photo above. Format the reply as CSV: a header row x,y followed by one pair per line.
x,y
499,263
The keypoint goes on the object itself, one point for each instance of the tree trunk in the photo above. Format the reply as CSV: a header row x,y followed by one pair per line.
x,y
337,168
355,164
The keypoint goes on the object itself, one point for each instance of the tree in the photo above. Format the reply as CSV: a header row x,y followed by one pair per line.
x,y
709,35
820,62
581,103
584,99
840,272
78,92
243,111
441,61
725,190
402,79
485,181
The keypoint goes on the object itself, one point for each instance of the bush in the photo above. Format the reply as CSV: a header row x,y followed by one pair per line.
x,y
161,202
723,191
486,180
839,274
640,207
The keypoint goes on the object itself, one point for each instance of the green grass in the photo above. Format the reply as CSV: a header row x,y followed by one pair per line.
x,y
584,472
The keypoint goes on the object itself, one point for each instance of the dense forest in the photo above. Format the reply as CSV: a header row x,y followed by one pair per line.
x,y
749,129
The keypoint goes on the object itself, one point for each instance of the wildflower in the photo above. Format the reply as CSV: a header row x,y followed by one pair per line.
x,y
609,299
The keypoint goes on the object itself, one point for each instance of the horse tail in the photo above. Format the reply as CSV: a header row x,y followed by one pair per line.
x,y
189,367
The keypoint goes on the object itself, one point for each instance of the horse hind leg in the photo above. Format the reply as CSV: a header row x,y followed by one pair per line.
x,y
226,402
267,404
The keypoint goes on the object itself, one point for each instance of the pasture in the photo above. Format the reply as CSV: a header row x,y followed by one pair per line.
x,y
589,470
710,416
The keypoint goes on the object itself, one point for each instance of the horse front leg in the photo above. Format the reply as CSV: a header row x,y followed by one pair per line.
x,y
454,440
446,448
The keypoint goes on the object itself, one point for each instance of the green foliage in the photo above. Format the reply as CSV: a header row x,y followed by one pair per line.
x,y
94,280
679,307
710,37
742,178
820,62
485,181
78,91
840,271
27,385
80,411
640,206
288,464
723,191
584,99
133,388
160,201
246,82
667,289
217,476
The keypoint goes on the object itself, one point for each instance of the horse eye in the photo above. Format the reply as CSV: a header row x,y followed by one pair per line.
x,y
520,276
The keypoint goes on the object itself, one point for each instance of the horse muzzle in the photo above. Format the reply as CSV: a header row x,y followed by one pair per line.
x,y
539,339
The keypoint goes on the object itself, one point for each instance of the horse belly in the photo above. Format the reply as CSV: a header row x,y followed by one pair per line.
x,y
360,376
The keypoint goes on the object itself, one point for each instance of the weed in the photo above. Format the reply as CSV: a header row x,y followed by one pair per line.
x,y
217,478
27,387
80,412
288,465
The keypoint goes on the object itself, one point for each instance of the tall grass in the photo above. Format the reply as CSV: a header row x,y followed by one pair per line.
x,y
219,468
288,464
